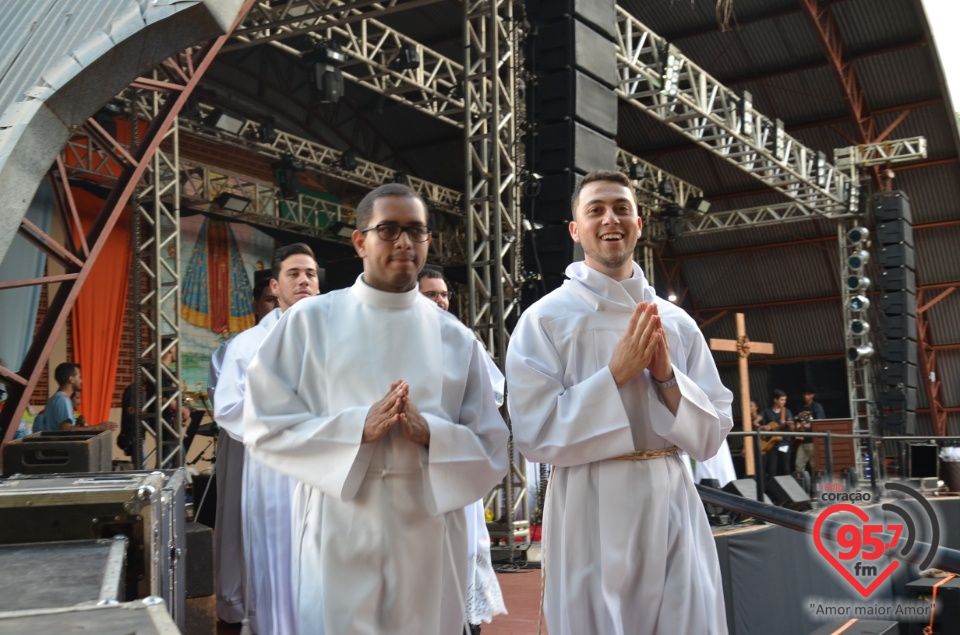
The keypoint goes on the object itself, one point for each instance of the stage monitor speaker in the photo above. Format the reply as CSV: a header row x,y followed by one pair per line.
x,y
893,207
899,350
786,492
573,147
895,302
898,325
898,279
566,95
569,44
599,14
553,248
745,487
899,423
893,232
894,373
899,398
898,255
199,560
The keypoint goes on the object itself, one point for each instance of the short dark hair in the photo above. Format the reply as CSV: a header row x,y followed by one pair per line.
x,y
261,282
600,175
777,393
365,207
281,254
63,372
433,274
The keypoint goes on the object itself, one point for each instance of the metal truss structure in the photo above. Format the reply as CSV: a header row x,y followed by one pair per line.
x,y
494,276
648,184
155,294
881,153
658,79
434,86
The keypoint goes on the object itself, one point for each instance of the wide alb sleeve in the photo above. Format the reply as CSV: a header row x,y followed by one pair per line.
x,y
466,457
703,416
231,385
554,423
285,430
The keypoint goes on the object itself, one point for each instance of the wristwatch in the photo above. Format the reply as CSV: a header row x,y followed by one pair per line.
x,y
665,384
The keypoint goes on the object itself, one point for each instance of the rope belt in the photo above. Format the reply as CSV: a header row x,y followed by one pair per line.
x,y
646,455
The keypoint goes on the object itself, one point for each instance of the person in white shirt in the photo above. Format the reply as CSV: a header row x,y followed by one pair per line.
x,y
608,383
381,406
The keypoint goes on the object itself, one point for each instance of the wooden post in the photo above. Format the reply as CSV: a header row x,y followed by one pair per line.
x,y
744,347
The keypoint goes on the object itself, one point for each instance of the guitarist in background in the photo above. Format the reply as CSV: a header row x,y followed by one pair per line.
x,y
776,459
809,410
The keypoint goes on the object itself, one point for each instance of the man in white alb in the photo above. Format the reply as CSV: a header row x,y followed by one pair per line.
x,y
607,383
380,405
265,494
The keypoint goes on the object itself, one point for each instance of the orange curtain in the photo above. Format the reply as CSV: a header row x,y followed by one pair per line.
x,y
98,313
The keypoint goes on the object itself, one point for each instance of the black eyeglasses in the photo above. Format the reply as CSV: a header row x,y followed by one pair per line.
x,y
391,232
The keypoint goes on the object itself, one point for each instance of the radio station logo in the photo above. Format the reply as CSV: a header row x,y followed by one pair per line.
x,y
855,547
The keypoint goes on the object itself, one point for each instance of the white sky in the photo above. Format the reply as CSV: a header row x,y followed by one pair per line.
x,y
944,16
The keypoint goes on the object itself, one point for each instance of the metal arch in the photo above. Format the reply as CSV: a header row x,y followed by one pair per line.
x,y
434,87
494,277
708,113
133,166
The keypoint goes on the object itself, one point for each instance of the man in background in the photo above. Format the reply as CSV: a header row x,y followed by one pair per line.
x,y
58,413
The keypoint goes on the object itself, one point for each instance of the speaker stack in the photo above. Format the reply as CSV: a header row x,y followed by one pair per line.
x,y
898,325
572,113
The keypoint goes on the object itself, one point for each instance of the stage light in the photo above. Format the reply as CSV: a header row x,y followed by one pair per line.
x,y
858,283
859,303
745,110
670,74
672,220
327,52
779,140
407,58
851,196
401,178
820,169
858,259
328,82
348,161
266,132
672,297
698,205
637,170
231,202
287,180
666,189
858,235
859,327
224,121
857,353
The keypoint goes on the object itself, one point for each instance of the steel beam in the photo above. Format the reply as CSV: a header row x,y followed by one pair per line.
x,y
927,352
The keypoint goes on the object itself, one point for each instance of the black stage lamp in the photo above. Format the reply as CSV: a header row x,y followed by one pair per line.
x,y
407,58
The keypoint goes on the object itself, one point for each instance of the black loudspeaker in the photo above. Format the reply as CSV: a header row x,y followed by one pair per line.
x,y
569,44
786,492
600,15
550,203
746,487
199,560
899,398
897,302
340,274
574,147
892,207
894,373
562,96
898,326
924,460
554,248
898,255
894,232
899,423
899,350
898,279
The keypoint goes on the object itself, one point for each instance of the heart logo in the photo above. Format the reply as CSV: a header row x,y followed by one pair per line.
x,y
818,541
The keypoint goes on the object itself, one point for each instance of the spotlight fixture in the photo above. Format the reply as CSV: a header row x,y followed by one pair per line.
x,y
328,82
666,189
779,140
287,180
859,327
859,303
672,219
857,353
326,52
858,259
851,197
231,202
348,161
820,169
858,235
407,57
858,283
698,205
672,297
670,73
224,121
637,170
191,109
401,178
266,132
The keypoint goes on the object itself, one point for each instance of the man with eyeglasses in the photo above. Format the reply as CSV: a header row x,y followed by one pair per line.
x,y
381,407
484,598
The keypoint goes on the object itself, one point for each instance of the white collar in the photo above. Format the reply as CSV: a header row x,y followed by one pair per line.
x,y
383,299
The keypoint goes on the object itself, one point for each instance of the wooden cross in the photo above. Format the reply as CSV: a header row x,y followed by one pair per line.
x,y
744,348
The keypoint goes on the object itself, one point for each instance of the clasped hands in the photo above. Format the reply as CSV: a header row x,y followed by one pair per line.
x,y
643,346
396,409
